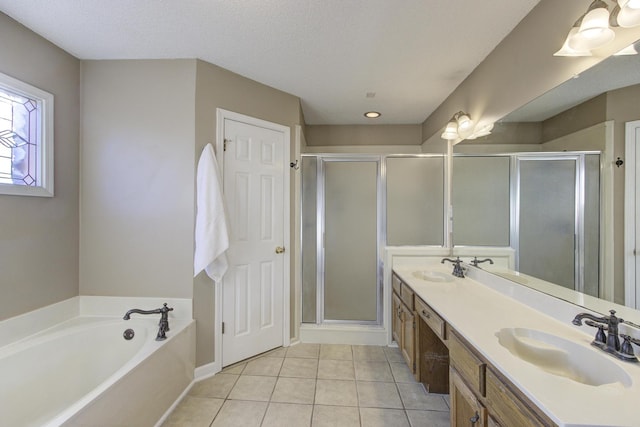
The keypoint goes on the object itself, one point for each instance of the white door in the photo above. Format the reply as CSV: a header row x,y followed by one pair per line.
x,y
632,214
254,284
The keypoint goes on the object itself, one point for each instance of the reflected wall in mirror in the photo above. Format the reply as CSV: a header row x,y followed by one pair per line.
x,y
586,113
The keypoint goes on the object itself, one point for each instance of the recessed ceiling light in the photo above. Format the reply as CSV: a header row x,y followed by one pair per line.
x,y
372,114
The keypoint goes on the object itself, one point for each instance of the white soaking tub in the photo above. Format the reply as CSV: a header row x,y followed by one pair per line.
x,y
84,372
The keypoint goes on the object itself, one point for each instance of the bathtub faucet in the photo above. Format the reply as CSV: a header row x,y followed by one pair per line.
x,y
164,318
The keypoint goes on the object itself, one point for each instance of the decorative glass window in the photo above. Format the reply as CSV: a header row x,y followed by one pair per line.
x,y
26,139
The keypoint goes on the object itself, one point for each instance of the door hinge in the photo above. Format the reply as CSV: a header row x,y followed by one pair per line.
x,y
224,144
223,327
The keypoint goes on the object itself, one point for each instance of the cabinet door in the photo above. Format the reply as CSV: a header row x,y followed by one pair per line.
x,y
396,319
466,409
409,338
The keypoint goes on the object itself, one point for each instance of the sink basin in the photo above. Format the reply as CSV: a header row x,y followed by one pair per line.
x,y
433,276
562,357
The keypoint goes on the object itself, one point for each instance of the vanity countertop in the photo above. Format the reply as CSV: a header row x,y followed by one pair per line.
x,y
477,312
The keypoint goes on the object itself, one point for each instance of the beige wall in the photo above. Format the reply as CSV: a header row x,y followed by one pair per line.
x,y
574,119
38,235
137,165
219,88
357,135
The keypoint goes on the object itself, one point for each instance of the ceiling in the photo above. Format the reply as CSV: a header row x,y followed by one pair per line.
x,y
410,54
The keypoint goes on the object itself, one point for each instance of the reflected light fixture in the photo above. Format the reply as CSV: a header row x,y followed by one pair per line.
x,y
372,114
462,127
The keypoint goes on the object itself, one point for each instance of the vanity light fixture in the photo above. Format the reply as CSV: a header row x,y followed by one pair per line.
x,y
372,114
594,28
627,13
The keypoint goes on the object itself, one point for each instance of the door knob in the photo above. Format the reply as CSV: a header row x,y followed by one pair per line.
x,y
279,249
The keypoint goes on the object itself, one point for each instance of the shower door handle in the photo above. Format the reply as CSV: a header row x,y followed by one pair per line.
x,y
279,249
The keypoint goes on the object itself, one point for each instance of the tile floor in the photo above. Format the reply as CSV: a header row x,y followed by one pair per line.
x,y
314,385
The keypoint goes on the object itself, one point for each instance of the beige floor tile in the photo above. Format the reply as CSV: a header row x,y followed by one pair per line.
x,y
304,351
269,366
369,352
415,397
278,352
336,369
402,373
236,368
378,395
394,354
336,392
336,352
447,400
373,371
235,413
428,418
287,414
376,417
294,390
250,387
335,416
194,412
299,368
218,385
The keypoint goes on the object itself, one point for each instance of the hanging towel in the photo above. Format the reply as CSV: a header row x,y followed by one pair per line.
x,y
211,236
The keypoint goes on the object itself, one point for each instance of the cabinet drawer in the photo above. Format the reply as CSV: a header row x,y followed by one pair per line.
x,y
406,295
396,283
508,407
431,318
470,367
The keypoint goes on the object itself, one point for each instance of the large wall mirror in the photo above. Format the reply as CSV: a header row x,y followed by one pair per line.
x,y
546,184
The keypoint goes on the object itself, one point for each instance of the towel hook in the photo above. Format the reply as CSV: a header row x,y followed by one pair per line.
x,y
295,165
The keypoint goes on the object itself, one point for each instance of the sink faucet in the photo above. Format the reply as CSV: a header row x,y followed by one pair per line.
x,y
477,261
612,344
164,318
457,268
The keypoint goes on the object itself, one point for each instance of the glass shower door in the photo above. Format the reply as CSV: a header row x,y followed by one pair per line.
x,y
351,290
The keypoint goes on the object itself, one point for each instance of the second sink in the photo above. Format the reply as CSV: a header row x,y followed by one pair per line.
x,y
432,276
562,357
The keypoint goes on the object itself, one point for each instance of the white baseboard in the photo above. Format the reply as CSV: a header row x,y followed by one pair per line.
x,y
206,371
343,334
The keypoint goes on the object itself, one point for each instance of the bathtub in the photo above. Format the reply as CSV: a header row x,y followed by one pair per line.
x,y
82,372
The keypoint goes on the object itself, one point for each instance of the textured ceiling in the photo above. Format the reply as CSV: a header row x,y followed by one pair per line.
x,y
411,53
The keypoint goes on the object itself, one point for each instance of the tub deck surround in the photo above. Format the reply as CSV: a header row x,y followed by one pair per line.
x,y
478,311
79,367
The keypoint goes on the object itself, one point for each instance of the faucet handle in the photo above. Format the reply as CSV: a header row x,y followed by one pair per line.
x,y
600,339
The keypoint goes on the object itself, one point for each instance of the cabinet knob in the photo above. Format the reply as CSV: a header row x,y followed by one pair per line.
x,y
475,419
425,314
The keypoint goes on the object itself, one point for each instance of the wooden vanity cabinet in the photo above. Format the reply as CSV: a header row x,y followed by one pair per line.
x,y
403,321
476,386
466,409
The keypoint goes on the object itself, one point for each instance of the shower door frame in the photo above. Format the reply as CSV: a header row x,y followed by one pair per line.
x,y
579,221
322,159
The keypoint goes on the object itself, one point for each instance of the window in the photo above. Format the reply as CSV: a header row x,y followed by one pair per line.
x,y
26,139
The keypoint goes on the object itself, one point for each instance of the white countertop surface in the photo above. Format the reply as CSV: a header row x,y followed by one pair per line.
x,y
477,312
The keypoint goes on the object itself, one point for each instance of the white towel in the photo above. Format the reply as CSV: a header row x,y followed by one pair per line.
x,y
211,236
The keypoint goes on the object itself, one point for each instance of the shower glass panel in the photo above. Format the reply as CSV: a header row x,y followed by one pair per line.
x,y
547,219
415,201
351,285
481,200
309,238
592,225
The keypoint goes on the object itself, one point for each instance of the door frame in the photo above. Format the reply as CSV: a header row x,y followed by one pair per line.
x,y
221,116
631,139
